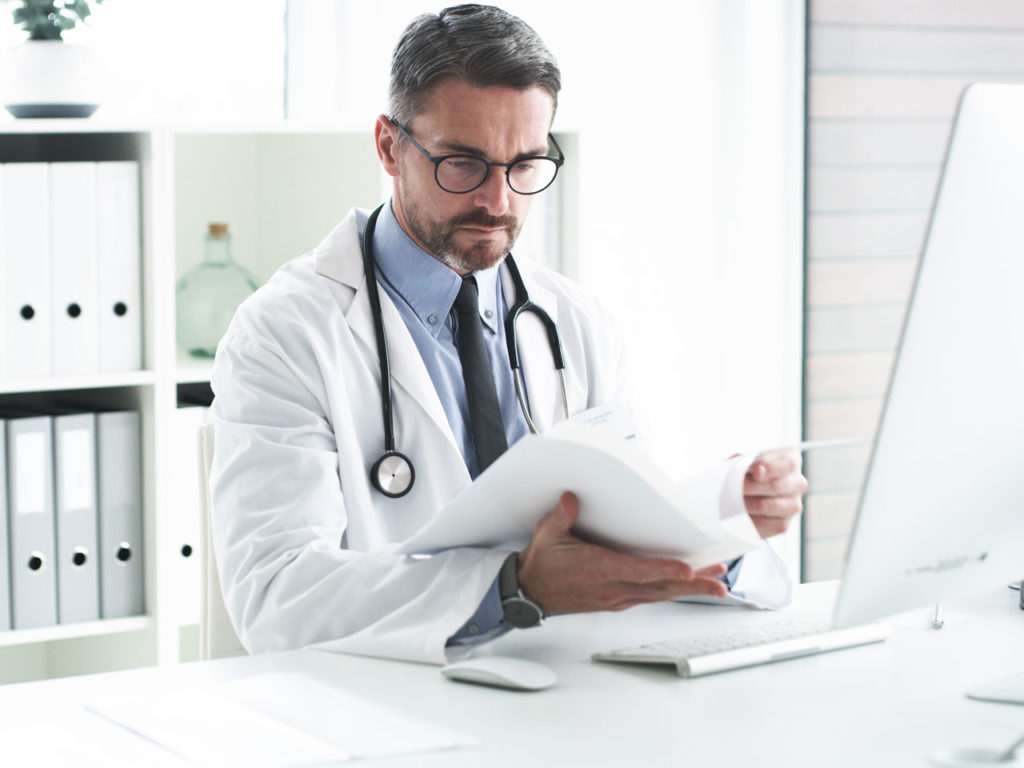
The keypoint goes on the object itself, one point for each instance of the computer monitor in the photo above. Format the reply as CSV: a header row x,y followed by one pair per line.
x,y
942,507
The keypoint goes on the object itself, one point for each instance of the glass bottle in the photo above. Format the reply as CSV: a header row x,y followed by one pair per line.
x,y
209,294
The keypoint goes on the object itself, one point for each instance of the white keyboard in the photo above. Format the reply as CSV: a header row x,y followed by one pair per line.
x,y
763,643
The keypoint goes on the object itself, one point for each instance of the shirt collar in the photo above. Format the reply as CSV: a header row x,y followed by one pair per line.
x,y
424,283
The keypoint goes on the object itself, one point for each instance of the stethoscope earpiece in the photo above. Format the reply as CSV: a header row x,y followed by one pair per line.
x,y
393,474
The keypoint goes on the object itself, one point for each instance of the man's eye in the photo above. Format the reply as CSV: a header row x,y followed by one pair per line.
x,y
463,164
525,165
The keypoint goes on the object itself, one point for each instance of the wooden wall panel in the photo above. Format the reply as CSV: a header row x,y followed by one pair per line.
x,y
970,14
844,375
845,282
866,234
884,80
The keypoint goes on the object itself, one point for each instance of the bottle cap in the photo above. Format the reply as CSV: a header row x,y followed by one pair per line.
x,y
218,229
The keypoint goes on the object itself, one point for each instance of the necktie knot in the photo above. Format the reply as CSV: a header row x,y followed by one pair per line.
x,y
468,301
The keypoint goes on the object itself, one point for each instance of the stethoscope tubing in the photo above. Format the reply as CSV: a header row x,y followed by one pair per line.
x,y
393,473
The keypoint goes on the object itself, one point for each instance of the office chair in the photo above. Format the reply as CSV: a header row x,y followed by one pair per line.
x,y
217,638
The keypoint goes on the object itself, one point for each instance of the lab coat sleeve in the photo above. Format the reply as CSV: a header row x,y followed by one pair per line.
x,y
762,579
279,518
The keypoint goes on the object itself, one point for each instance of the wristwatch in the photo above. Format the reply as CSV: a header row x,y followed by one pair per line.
x,y
520,611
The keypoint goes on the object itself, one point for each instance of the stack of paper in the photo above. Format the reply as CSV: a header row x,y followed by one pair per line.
x,y
626,502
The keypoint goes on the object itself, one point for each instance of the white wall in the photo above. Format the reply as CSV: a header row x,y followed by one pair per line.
x,y
182,60
690,121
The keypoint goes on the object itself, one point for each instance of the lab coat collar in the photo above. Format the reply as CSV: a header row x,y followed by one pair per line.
x,y
339,258
427,285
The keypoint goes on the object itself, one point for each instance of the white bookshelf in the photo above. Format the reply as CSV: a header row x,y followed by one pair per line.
x,y
281,189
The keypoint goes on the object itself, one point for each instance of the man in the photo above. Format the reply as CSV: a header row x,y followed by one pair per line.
x,y
304,538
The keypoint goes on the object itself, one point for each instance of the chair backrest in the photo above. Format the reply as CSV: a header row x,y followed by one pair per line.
x,y
217,638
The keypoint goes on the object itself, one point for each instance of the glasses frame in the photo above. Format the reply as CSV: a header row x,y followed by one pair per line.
x,y
438,159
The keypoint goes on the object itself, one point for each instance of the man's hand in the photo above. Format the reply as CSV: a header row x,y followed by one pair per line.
x,y
565,575
773,490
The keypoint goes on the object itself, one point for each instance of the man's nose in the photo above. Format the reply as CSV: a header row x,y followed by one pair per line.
x,y
493,194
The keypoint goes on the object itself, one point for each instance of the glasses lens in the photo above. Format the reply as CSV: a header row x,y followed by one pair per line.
x,y
461,173
532,174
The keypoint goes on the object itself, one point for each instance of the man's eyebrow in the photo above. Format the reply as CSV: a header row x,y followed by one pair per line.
x,y
466,149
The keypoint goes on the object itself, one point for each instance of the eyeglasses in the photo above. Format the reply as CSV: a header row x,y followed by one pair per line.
x,y
462,173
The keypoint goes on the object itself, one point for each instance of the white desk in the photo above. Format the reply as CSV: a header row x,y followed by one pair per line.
x,y
888,704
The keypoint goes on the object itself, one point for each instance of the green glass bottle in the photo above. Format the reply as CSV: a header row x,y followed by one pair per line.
x,y
208,295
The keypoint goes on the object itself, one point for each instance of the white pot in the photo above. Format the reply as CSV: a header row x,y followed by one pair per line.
x,y
50,78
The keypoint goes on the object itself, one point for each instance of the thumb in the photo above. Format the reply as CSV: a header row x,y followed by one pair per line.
x,y
556,524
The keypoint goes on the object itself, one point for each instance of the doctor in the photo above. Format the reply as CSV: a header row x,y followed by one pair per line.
x,y
304,537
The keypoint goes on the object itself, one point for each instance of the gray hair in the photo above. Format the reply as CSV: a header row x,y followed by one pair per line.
x,y
480,44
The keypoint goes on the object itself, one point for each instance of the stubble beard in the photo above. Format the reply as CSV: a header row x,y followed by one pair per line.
x,y
439,238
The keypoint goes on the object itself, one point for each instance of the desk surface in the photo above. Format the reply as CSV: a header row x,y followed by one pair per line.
x,y
889,704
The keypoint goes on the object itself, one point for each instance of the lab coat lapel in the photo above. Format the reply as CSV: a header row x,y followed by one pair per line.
x,y
543,390
340,258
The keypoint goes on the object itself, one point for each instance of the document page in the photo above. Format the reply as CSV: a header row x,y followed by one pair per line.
x,y
626,502
269,720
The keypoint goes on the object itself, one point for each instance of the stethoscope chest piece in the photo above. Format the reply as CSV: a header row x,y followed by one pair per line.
x,y
392,474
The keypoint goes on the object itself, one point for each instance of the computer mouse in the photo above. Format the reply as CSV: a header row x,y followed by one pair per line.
x,y
502,672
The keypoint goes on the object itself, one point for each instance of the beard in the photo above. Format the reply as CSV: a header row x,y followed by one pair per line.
x,y
439,237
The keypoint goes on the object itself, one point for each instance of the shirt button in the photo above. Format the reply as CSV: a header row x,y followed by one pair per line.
x,y
432,319
488,314
473,629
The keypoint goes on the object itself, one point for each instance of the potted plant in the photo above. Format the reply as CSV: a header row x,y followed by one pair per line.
x,y
44,76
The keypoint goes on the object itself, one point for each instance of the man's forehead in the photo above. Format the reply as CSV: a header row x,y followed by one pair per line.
x,y
462,116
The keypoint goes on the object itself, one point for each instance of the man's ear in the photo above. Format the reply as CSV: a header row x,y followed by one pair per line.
x,y
385,135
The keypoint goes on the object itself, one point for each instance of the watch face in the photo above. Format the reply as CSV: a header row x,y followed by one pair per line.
x,y
520,613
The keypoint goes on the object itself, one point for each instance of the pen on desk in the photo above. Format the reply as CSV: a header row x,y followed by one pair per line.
x,y
1021,588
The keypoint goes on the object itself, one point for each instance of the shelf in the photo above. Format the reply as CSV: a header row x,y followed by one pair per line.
x,y
92,381
193,370
71,631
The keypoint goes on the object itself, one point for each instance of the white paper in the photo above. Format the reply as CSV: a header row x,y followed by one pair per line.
x,y
78,469
269,720
337,717
626,502
30,456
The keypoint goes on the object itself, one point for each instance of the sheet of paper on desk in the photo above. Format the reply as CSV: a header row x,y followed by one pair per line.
x,y
270,720
626,502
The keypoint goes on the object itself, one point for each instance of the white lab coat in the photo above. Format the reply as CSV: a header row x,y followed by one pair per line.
x,y
304,543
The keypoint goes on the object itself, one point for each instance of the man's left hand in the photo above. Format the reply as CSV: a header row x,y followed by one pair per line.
x,y
773,490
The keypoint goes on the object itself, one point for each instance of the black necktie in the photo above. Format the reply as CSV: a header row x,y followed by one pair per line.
x,y
484,412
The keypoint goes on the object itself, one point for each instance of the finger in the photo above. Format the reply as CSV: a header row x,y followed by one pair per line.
x,y
770,526
793,484
618,567
774,463
624,596
712,571
773,506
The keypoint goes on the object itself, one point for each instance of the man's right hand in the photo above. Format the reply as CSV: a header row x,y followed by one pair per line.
x,y
563,574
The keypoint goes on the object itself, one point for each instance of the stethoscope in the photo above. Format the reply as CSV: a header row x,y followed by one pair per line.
x,y
393,473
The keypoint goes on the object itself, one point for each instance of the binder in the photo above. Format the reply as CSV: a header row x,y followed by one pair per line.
x,y
119,492
73,265
74,459
25,271
184,517
30,494
5,580
118,267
